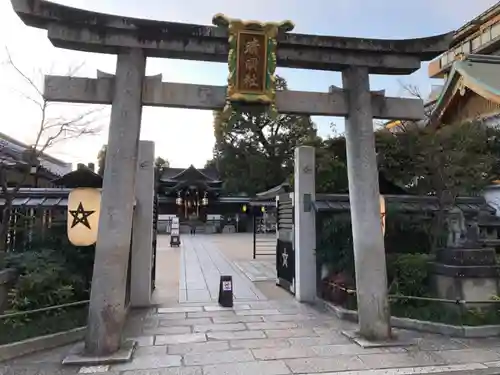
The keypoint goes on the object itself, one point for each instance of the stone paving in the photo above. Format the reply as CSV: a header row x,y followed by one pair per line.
x,y
265,337
202,264
258,270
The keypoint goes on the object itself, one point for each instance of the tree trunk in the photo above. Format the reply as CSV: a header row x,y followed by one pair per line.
x,y
4,230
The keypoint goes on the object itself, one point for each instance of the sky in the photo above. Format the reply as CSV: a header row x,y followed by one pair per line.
x,y
182,136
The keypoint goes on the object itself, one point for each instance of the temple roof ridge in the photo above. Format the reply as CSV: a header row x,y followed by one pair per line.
x,y
482,58
179,172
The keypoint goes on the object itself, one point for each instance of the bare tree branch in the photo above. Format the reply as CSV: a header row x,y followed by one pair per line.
x,y
50,131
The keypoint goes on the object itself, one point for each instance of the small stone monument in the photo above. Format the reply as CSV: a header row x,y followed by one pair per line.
x,y
464,269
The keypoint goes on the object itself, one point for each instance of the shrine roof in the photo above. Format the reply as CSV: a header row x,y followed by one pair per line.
x,y
209,175
402,203
477,73
89,31
83,177
273,192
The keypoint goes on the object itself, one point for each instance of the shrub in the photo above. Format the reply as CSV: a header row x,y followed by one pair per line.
x,y
51,272
408,274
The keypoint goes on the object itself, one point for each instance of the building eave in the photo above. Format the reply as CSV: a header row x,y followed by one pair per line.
x,y
477,73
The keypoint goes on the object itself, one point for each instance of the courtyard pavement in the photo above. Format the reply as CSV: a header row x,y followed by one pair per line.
x,y
259,336
202,265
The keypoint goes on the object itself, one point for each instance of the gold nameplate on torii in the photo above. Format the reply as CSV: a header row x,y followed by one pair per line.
x,y
251,62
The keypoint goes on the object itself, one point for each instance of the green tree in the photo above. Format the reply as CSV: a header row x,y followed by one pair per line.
x,y
450,160
254,152
161,164
101,160
445,162
331,166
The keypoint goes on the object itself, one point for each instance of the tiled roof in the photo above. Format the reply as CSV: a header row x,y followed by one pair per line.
x,y
405,203
175,173
477,73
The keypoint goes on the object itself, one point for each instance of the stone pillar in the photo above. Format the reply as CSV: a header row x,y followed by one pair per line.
x,y
142,234
305,224
107,300
364,197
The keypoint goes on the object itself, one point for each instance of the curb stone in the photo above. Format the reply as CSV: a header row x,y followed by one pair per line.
x,y
421,325
35,344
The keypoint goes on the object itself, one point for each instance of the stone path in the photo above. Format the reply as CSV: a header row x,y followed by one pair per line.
x,y
202,264
266,338
262,337
257,270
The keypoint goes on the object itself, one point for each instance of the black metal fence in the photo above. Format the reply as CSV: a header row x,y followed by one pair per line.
x,y
285,250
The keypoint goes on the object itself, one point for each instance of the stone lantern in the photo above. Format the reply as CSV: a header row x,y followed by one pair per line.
x,y
466,269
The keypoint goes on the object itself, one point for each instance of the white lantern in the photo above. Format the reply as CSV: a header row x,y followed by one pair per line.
x,y
84,206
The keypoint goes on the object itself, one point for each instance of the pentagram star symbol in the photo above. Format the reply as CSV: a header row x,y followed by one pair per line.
x,y
80,216
284,256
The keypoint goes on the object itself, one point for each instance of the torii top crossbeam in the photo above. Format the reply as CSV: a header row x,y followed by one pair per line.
x,y
88,31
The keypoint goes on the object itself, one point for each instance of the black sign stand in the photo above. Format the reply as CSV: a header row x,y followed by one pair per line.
x,y
226,291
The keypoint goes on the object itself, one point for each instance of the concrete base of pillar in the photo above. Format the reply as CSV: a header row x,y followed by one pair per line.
x,y
77,356
395,341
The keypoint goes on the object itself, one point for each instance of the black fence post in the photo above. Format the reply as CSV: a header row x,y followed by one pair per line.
x,y
254,236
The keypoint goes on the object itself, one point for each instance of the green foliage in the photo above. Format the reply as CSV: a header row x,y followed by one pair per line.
x,y
408,274
459,159
51,272
408,253
404,234
331,166
254,152
43,280
407,233
335,247
101,160
161,164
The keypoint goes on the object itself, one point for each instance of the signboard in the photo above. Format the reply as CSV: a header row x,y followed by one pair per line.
x,y
226,291
251,67
227,286
251,62
174,231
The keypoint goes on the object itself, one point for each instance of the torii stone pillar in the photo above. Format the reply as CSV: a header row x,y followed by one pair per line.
x,y
142,244
368,240
107,311
305,224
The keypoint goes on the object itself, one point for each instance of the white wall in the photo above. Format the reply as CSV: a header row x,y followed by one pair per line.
x,y
492,196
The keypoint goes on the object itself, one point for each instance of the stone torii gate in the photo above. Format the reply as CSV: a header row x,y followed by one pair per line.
x,y
133,40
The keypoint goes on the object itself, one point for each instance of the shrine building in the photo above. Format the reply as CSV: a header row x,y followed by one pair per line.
x,y
195,195
470,83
